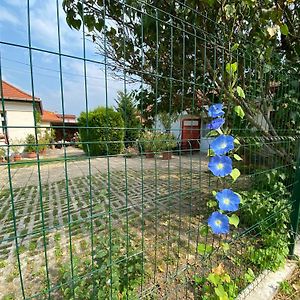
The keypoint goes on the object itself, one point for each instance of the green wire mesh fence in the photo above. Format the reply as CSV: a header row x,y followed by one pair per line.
x,y
126,217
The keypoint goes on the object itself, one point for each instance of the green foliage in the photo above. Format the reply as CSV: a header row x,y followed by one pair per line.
x,y
130,117
2,152
121,277
30,143
16,146
216,286
43,142
167,119
264,33
235,174
150,141
104,134
267,206
285,287
168,141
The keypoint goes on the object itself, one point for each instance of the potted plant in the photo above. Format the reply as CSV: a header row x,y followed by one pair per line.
x,y
16,147
168,143
149,142
2,155
43,144
30,148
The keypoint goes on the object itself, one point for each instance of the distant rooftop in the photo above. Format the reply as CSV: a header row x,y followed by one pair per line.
x,y
53,117
11,92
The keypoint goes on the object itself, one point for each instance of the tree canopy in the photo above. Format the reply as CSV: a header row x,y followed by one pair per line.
x,y
190,53
127,110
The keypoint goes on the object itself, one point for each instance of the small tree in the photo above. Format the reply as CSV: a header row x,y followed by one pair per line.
x,y
101,131
129,114
167,120
30,143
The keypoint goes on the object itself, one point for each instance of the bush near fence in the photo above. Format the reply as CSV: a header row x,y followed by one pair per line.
x,y
104,132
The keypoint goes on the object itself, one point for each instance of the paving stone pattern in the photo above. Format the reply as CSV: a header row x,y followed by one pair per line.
x,y
128,189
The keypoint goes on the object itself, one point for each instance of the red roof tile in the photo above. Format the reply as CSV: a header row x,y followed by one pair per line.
x,y
11,92
49,116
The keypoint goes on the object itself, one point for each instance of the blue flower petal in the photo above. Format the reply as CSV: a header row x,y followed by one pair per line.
x,y
219,223
220,165
222,144
215,124
228,200
216,110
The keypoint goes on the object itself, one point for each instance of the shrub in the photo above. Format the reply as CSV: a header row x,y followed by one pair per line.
x,y
268,209
104,133
129,115
115,270
150,141
2,153
168,141
43,143
30,143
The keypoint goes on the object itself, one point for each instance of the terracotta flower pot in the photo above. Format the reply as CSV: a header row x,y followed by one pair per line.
x,y
31,155
149,154
43,152
167,155
17,157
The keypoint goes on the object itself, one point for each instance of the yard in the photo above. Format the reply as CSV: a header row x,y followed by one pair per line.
x,y
158,206
151,195
148,149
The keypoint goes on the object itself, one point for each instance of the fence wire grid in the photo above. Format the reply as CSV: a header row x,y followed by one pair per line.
x,y
115,205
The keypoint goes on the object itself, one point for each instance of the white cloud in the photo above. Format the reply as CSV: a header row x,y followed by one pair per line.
x,y
8,17
20,3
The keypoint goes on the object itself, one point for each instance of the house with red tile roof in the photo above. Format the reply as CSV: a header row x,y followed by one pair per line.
x,y
64,125
17,115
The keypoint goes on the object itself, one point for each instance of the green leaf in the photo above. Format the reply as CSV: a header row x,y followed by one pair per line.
x,y
237,157
234,220
214,193
236,141
204,249
212,133
235,47
231,68
210,2
212,203
240,92
225,246
213,278
239,111
203,230
219,290
210,152
235,174
284,29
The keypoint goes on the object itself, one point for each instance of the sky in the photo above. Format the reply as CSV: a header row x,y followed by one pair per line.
x,y
15,60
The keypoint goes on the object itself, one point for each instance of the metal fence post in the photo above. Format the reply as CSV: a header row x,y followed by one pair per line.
x,y
295,208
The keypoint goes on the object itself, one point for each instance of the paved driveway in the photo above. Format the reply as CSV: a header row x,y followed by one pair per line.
x,y
46,205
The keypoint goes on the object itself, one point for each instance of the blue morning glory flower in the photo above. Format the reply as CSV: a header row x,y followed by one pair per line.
x,y
219,223
220,165
228,200
222,144
215,110
216,123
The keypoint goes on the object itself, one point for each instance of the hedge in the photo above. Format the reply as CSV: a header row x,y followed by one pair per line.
x,y
104,132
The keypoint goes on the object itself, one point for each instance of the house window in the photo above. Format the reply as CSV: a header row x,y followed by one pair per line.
x,y
3,122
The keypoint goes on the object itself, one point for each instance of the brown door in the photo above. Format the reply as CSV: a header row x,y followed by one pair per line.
x,y
190,136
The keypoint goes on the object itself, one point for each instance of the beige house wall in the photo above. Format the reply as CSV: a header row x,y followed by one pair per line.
x,y
19,114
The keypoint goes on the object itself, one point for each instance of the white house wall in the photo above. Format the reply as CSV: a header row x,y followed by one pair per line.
x,y
19,114
45,126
